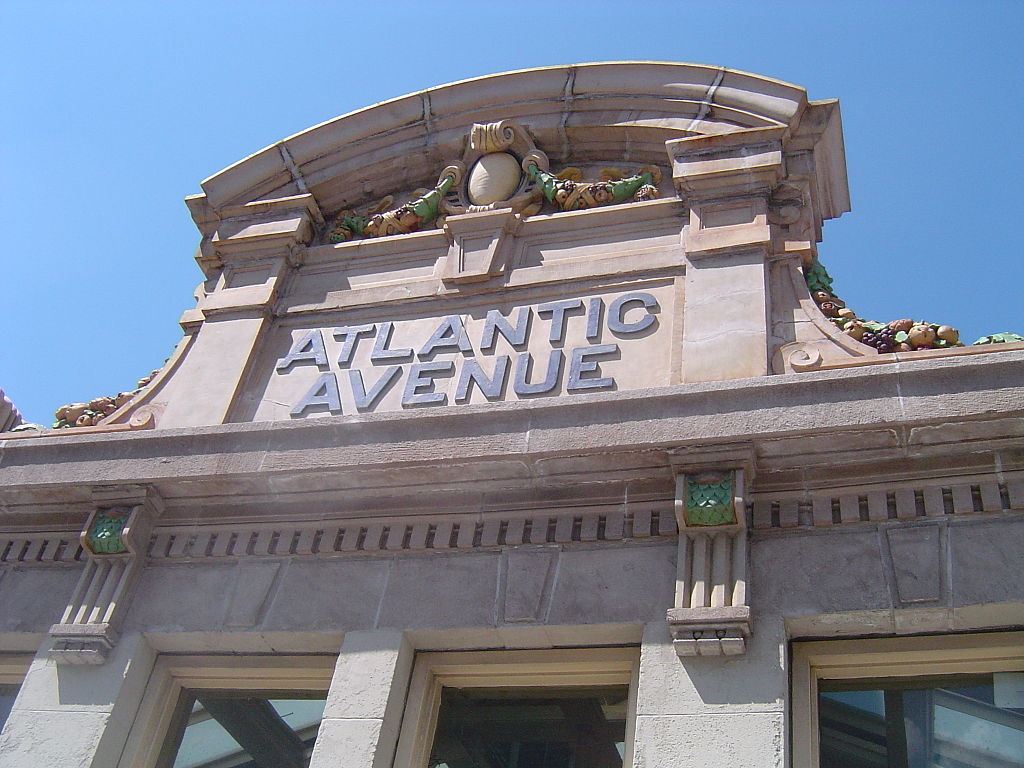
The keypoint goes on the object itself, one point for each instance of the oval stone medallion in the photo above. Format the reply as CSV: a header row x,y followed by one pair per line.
x,y
494,177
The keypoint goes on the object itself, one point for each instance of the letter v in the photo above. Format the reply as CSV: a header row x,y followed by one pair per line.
x,y
364,399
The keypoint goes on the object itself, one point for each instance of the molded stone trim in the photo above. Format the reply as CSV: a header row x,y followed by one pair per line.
x,y
880,503
387,535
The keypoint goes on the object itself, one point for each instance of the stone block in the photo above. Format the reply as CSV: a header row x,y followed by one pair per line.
x,y
988,616
253,584
985,561
614,585
919,621
432,591
821,572
166,597
31,739
725,300
34,598
738,740
369,666
77,715
670,685
342,594
52,686
739,162
357,740
820,626
475,252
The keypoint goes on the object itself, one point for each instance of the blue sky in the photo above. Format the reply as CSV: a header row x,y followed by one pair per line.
x,y
115,112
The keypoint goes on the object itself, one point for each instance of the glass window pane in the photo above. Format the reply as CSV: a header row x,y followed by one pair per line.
x,y
222,730
7,695
530,728
949,722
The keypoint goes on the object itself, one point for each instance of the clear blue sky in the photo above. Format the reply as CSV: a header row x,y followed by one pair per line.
x,y
114,112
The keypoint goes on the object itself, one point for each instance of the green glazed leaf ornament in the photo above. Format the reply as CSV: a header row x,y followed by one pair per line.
x,y
709,499
105,533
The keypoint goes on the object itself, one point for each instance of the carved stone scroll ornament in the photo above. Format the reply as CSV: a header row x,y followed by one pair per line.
x,y
114,540
496,156
711,616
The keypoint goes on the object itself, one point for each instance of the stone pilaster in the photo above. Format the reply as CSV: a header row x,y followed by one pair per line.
x,y
247,252
726,181
365,701
77,716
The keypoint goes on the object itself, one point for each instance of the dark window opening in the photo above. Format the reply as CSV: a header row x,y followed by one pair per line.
x,y
530,728
8,693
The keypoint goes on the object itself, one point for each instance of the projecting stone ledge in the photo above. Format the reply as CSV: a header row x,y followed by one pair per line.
x,y
82,643
710,631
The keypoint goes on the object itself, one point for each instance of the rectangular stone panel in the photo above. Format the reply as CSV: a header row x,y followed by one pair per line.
x,y
526,345
614,585
328,595
527,583
430,591
916,562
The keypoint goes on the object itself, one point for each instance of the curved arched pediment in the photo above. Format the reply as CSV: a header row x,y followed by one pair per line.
x,y
546,254
579,113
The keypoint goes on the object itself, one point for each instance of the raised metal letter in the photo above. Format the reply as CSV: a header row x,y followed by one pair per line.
x,y
523,365
558,310
618,308
490,387
496,323
309,347
381,353
365,399
348,335
449,335
579,364
421,376
323,392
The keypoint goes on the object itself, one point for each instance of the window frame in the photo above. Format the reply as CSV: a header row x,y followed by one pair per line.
x,y
554,668
890,657
173,674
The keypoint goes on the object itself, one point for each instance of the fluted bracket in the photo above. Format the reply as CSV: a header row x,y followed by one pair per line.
x,y
711,616
114,539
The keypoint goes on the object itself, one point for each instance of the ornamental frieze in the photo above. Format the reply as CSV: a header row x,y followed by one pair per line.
x,y
501,168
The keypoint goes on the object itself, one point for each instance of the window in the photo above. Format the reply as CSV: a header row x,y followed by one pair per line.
x,y
952,701
221,729
544,709
13,667
230,712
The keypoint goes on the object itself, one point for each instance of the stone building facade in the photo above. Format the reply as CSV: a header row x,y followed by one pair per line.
x,y
516,423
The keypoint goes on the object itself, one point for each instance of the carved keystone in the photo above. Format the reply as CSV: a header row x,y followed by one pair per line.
x,y
475,252
114,539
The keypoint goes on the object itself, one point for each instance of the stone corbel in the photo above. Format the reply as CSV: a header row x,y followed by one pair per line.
x,y
476,253
711,616
114,539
